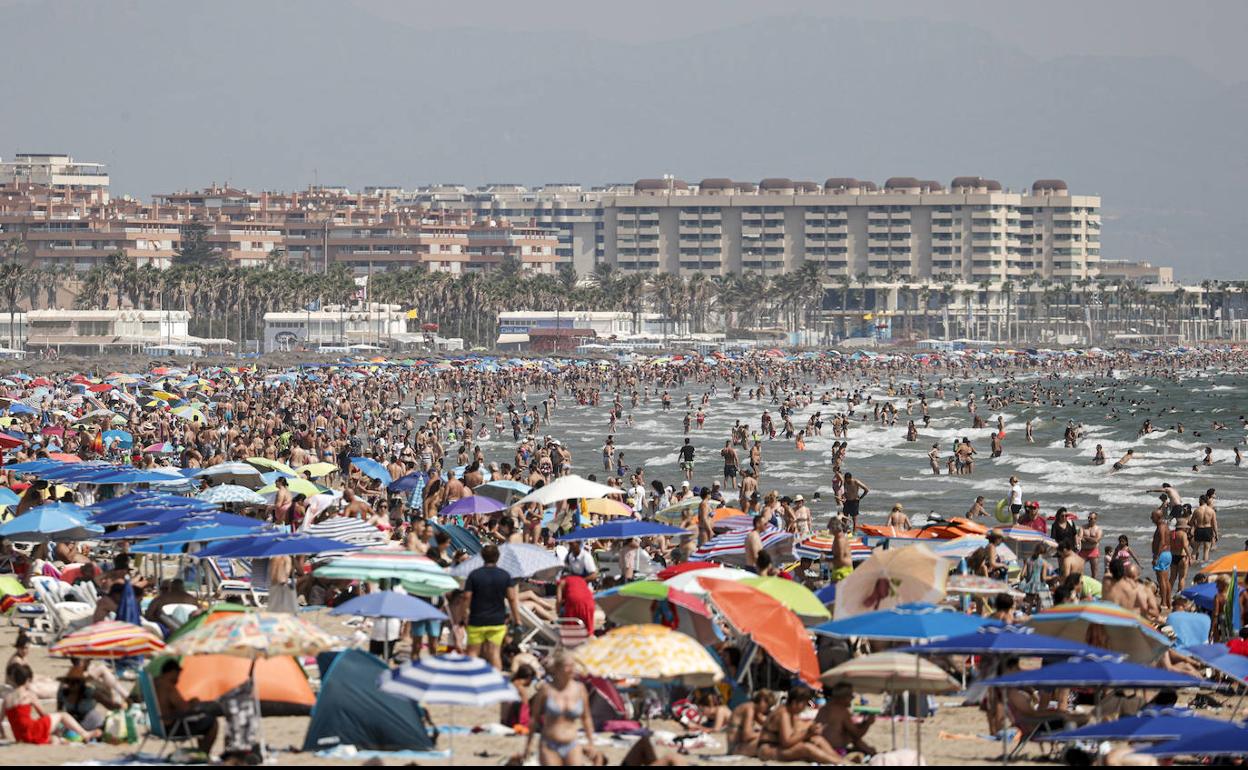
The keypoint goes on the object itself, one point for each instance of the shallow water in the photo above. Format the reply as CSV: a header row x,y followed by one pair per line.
x,y
897,470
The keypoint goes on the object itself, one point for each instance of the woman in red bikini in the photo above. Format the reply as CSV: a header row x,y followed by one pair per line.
x,y
30,723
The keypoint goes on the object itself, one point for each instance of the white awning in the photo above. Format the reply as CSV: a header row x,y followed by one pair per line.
x,y
512,339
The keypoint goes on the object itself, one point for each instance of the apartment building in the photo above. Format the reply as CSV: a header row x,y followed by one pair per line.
x,y
54,170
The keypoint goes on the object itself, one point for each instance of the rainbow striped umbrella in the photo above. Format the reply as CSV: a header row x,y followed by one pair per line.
x,y
1103,624
730,547
819,546
108,639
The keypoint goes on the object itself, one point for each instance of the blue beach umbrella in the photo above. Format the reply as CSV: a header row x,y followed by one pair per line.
x,y
1231,740
456,680
390,604
185,521
175,542
1148,725
54,521
1219,656
8,497
409,482
1203,594
1095,670
905,622
1004,640
622,529
373,469
269,545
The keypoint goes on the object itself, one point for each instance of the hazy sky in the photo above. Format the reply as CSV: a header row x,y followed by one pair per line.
x,y
1140,101
1208,33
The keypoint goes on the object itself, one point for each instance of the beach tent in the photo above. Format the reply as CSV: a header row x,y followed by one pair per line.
x,y
352,709
281,683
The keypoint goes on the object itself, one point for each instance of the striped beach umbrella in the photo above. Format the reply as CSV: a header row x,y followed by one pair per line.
x,y
820,546
108,639
348,530
456,680
1103,624
729,548
1026,535
520,560
226,494
418,574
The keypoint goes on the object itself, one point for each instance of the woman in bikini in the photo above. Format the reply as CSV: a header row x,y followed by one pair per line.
x,y
746,724
557,709
784,739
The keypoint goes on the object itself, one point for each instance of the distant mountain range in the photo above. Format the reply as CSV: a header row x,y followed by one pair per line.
x,y
279,95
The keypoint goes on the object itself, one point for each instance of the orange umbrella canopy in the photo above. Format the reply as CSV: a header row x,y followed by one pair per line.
x,y
769,623
1232,562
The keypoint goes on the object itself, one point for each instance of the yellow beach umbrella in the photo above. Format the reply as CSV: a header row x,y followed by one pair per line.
x,y
649,651
297,487
273,465
316,470
607,507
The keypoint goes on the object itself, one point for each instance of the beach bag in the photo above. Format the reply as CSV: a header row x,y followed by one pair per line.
x,y
119,727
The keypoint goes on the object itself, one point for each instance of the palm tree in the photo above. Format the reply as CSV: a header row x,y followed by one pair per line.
x,y
14,276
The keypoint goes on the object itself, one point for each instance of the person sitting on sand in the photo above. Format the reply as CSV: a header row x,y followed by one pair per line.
x,y
745,726
29,722
837,724
784,739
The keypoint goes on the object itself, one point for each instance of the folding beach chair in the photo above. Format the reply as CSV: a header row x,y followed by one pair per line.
x,y
177,733
572,632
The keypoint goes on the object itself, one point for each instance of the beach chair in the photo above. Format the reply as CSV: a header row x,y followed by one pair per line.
x,y
62,615
233,589
572,632
538,636
177,733
1030,730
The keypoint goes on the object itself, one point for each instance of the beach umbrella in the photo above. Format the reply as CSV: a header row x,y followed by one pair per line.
x,y
607,507
622,529
160,448
638,602
317,470
1220,658
649,651
823,546
52,521
419,575
296,486
570,487
471,506
230,494
265,463
1152,724
906,622
1025,536
892,577
685,566
269,545
768,623
124,439
1095,670
255,634
1203,595
1232,562
503,490
1106,625
348,530
1005,640
8,497
183,522
884,672
451,679
175,542
189,414
409,482
389,604
1230,741
108,639
520,560
793,595
689,580
676,511
232,473
729,548
373,469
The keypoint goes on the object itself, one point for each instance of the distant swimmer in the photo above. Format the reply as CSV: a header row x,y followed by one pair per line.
x,y
1124,460
1099,459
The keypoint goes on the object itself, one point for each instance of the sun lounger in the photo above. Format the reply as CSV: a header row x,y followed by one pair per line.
x,y
63,615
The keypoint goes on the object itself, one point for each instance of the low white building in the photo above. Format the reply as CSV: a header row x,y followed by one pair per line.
x,y
335,327
514,326
97,331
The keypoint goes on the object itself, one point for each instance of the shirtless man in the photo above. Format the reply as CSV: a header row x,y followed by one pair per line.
x,y
1127,592
977,509
754,543
1172,497
732,464
836,721
1161,554
1205,528
1068,562
855,490
1122,461
842,560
